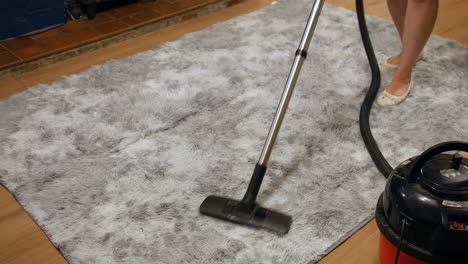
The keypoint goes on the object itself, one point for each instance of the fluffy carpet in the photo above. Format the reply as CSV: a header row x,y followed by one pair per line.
x,y
113,162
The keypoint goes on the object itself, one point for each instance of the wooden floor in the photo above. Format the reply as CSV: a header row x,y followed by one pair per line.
x,y
21,240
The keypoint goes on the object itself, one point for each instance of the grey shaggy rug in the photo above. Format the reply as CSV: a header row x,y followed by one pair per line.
x,y
114,162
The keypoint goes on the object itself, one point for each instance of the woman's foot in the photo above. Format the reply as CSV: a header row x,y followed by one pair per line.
x,y
398,87
396,92
395,60
392,63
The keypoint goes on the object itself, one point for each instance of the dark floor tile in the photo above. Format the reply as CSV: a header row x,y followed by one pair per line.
x,y
18,43
88,35
100,19
62,43
130,21
48,34
115,13
32,52
148,4
7,59
131,9
113,27
75,26
146,15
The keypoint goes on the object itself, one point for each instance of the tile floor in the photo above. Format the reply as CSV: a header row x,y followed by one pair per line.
x,y
15,51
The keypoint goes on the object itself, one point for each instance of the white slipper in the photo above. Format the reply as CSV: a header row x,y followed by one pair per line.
x,y
387,99
388,67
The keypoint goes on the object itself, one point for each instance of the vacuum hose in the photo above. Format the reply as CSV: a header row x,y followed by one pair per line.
x,y
366,133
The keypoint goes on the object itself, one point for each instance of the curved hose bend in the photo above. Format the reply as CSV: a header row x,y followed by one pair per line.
x,y
366,133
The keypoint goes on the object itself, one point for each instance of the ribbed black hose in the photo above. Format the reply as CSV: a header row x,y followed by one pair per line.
x,y
366,133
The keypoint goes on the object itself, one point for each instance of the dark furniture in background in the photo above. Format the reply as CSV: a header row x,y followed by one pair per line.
x,y
73,9
91,7
92,4
20,17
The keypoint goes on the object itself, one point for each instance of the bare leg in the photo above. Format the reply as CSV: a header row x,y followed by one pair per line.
x,y
397,9
419,22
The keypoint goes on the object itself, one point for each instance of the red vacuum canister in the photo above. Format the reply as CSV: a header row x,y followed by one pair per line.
x,y
423,212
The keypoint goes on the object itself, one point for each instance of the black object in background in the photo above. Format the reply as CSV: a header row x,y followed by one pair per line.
x,y
73,9
19,17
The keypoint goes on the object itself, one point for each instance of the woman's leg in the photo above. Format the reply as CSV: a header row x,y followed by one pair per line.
x,y
397,10
419,21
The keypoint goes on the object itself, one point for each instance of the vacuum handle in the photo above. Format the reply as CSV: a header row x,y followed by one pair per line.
x,y
431,152
301,54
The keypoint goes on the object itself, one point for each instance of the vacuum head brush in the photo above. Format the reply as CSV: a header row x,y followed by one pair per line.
x,y
244,213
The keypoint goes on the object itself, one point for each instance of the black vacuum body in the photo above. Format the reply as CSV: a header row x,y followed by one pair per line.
x,y
424,207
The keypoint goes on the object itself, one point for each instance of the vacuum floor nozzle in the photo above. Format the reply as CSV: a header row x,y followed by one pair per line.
x,y
250,214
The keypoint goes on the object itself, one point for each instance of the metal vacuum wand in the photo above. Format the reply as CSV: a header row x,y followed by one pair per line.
x,y
247,211
301,55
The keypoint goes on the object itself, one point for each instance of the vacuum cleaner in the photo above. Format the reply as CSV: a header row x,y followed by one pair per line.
x,y
423,210
421,213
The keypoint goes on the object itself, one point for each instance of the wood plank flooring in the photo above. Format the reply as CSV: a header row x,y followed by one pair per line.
x,y
22,241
